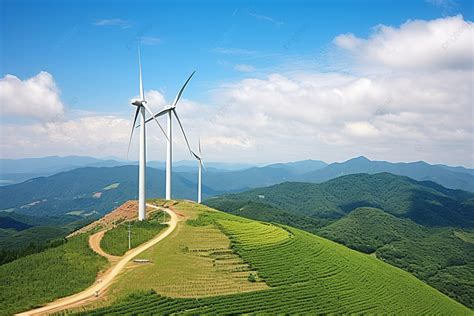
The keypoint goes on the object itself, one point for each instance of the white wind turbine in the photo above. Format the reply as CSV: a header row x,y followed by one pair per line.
x,y
201,165
141,108
170,111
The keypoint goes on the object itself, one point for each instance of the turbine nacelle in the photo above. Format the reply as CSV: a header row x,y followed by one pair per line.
x,y
138,102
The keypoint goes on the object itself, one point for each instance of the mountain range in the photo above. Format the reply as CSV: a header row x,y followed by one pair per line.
x,y
238,177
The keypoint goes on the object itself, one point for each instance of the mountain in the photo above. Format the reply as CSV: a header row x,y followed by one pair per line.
x,y
426,203
420,227
462,178
88,191
301,167
234,177
14,171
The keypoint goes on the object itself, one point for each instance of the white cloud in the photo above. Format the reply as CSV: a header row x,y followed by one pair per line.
x,y
113,22
244,68
36,97
445,43
422,113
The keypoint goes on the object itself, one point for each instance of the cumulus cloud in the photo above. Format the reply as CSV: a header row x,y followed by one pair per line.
x,y
423,112
445,43
37,97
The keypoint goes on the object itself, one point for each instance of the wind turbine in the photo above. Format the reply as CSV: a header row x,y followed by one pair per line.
x,y
141,108
170,111
201,164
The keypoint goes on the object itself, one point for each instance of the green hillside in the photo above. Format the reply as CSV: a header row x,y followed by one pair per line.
x,y
115,240
437,256
88,191
425,203
303,273
40,278
22,235
441,256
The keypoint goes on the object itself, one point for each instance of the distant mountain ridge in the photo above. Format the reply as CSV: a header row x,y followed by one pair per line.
x,y
90,189
462,178
228,177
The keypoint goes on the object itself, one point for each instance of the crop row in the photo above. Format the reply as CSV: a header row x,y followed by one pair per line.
x,y
307,274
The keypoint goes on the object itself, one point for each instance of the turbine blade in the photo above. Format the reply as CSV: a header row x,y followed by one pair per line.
x,y
202,164
178,96
133,127
142,95
182,130
195,156
157,115
153,117
200,153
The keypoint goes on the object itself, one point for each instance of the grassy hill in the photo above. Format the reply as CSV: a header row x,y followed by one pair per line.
x,y
39,278
220,263
22,235
115,240
391,216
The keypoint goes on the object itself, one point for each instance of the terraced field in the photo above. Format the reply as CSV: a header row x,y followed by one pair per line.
x,y
297,272
194,261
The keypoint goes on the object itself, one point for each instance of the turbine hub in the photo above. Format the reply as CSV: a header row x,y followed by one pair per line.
x,y
137,102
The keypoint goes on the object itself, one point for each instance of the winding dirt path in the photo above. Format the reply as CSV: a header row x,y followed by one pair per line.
x,y
94,243
108,276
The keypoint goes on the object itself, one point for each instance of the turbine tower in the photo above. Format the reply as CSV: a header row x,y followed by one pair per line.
x,y
170,111
141,108
201,165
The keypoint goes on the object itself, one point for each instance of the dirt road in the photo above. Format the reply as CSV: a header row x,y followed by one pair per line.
x,y
94,243
106,279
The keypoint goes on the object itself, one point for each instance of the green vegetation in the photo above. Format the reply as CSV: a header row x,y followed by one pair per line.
x,y
115,241
306,274
33,280
438,256
426,203
400,230
22,235
194,261
264,212
26,242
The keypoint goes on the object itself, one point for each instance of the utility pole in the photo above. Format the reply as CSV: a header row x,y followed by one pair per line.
x,y
129,236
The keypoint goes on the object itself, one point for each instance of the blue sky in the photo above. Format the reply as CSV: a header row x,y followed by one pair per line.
x,y
89,47
95,66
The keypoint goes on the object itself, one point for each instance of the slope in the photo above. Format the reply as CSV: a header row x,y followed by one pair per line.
x,y
425,203
88,191
298,273
440,256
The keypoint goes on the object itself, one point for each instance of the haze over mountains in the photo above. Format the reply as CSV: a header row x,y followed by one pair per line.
x,y
240,176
